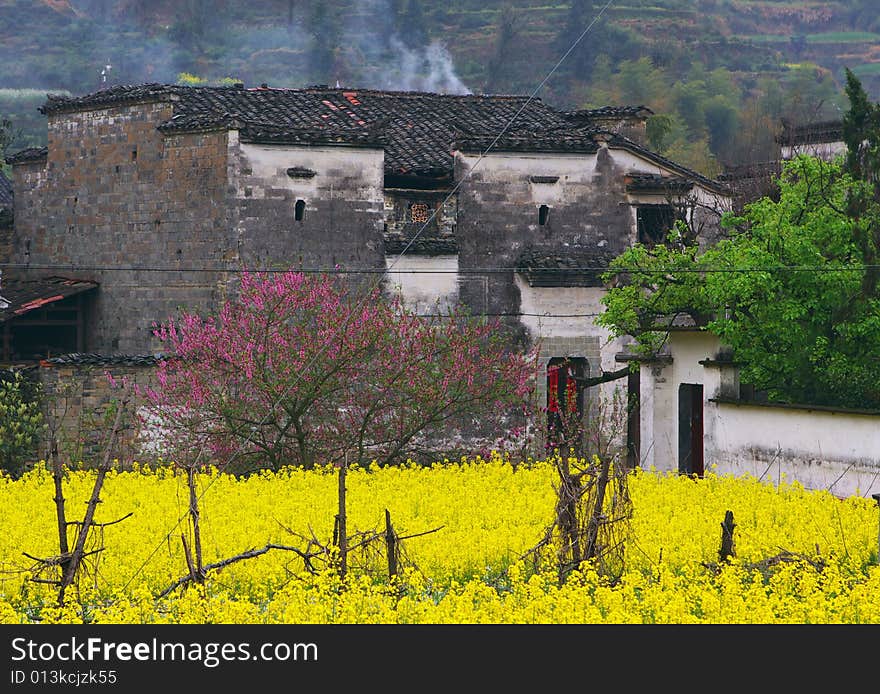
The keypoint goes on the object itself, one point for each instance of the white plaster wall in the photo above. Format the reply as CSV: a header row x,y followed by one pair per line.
x,y
659,386
501,167
835,451
658,435
269,164
823,150
560,311
428,284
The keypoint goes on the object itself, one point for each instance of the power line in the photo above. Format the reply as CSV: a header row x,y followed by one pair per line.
x,y
460,271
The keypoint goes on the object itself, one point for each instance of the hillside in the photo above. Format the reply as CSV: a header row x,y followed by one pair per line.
x,y
460,45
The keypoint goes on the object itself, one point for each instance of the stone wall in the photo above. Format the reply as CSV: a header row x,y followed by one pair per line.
x,y
77,403
116,194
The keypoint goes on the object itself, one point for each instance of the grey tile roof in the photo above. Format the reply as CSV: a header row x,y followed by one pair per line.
x,y
556,267
557,141
416,129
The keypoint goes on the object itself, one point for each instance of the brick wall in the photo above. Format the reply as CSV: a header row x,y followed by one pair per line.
x,y
77,400
117,193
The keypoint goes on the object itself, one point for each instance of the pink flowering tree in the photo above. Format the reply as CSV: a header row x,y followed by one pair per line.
x,y
298,370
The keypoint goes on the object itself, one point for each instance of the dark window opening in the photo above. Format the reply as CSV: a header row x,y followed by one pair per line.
x,y
299,210
565,400
48,331
653,223
134,154
543,214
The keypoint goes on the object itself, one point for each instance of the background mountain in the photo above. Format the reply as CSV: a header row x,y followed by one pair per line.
x,y
719,74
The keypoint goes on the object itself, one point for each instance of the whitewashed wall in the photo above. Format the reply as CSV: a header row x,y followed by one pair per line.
x,y
427,284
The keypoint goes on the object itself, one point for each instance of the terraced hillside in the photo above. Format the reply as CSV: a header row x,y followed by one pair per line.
x,y
501,47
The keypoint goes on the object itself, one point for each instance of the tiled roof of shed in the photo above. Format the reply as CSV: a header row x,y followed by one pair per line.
x,y
554,268
609,113
94,359
811,133
425,244
26,295
5,191
620,142
646,182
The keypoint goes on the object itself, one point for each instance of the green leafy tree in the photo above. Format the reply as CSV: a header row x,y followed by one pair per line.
x,y
21,422
792,290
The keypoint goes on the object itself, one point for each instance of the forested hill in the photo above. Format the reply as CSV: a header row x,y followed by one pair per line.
x,y
720,74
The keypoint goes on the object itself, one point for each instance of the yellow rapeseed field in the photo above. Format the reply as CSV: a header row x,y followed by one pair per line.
x,y
801,556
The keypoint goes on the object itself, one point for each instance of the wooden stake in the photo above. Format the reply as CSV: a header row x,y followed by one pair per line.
x,y
391,543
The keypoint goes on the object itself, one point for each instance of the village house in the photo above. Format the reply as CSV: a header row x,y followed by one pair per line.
x,y
153,197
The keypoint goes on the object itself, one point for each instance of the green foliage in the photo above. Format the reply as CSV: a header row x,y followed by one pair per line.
x,y
786,292
21,422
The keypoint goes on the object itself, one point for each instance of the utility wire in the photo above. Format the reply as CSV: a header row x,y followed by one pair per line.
x,y
462,271
377,283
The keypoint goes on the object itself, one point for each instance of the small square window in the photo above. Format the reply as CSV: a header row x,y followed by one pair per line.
x,y
418,212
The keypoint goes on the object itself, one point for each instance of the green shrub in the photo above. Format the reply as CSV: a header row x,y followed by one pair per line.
x,y
21,422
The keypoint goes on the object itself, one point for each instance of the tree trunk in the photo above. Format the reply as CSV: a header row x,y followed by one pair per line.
x,y
728,548
391,544
58,478
591,548
195,516
78,550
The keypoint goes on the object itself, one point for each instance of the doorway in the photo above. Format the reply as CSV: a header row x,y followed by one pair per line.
x,y
690,429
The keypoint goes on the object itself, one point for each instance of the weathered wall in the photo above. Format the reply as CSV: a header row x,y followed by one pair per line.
x,y
77,401
834,450
343,214
5,243
498,216
427,284
116,193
